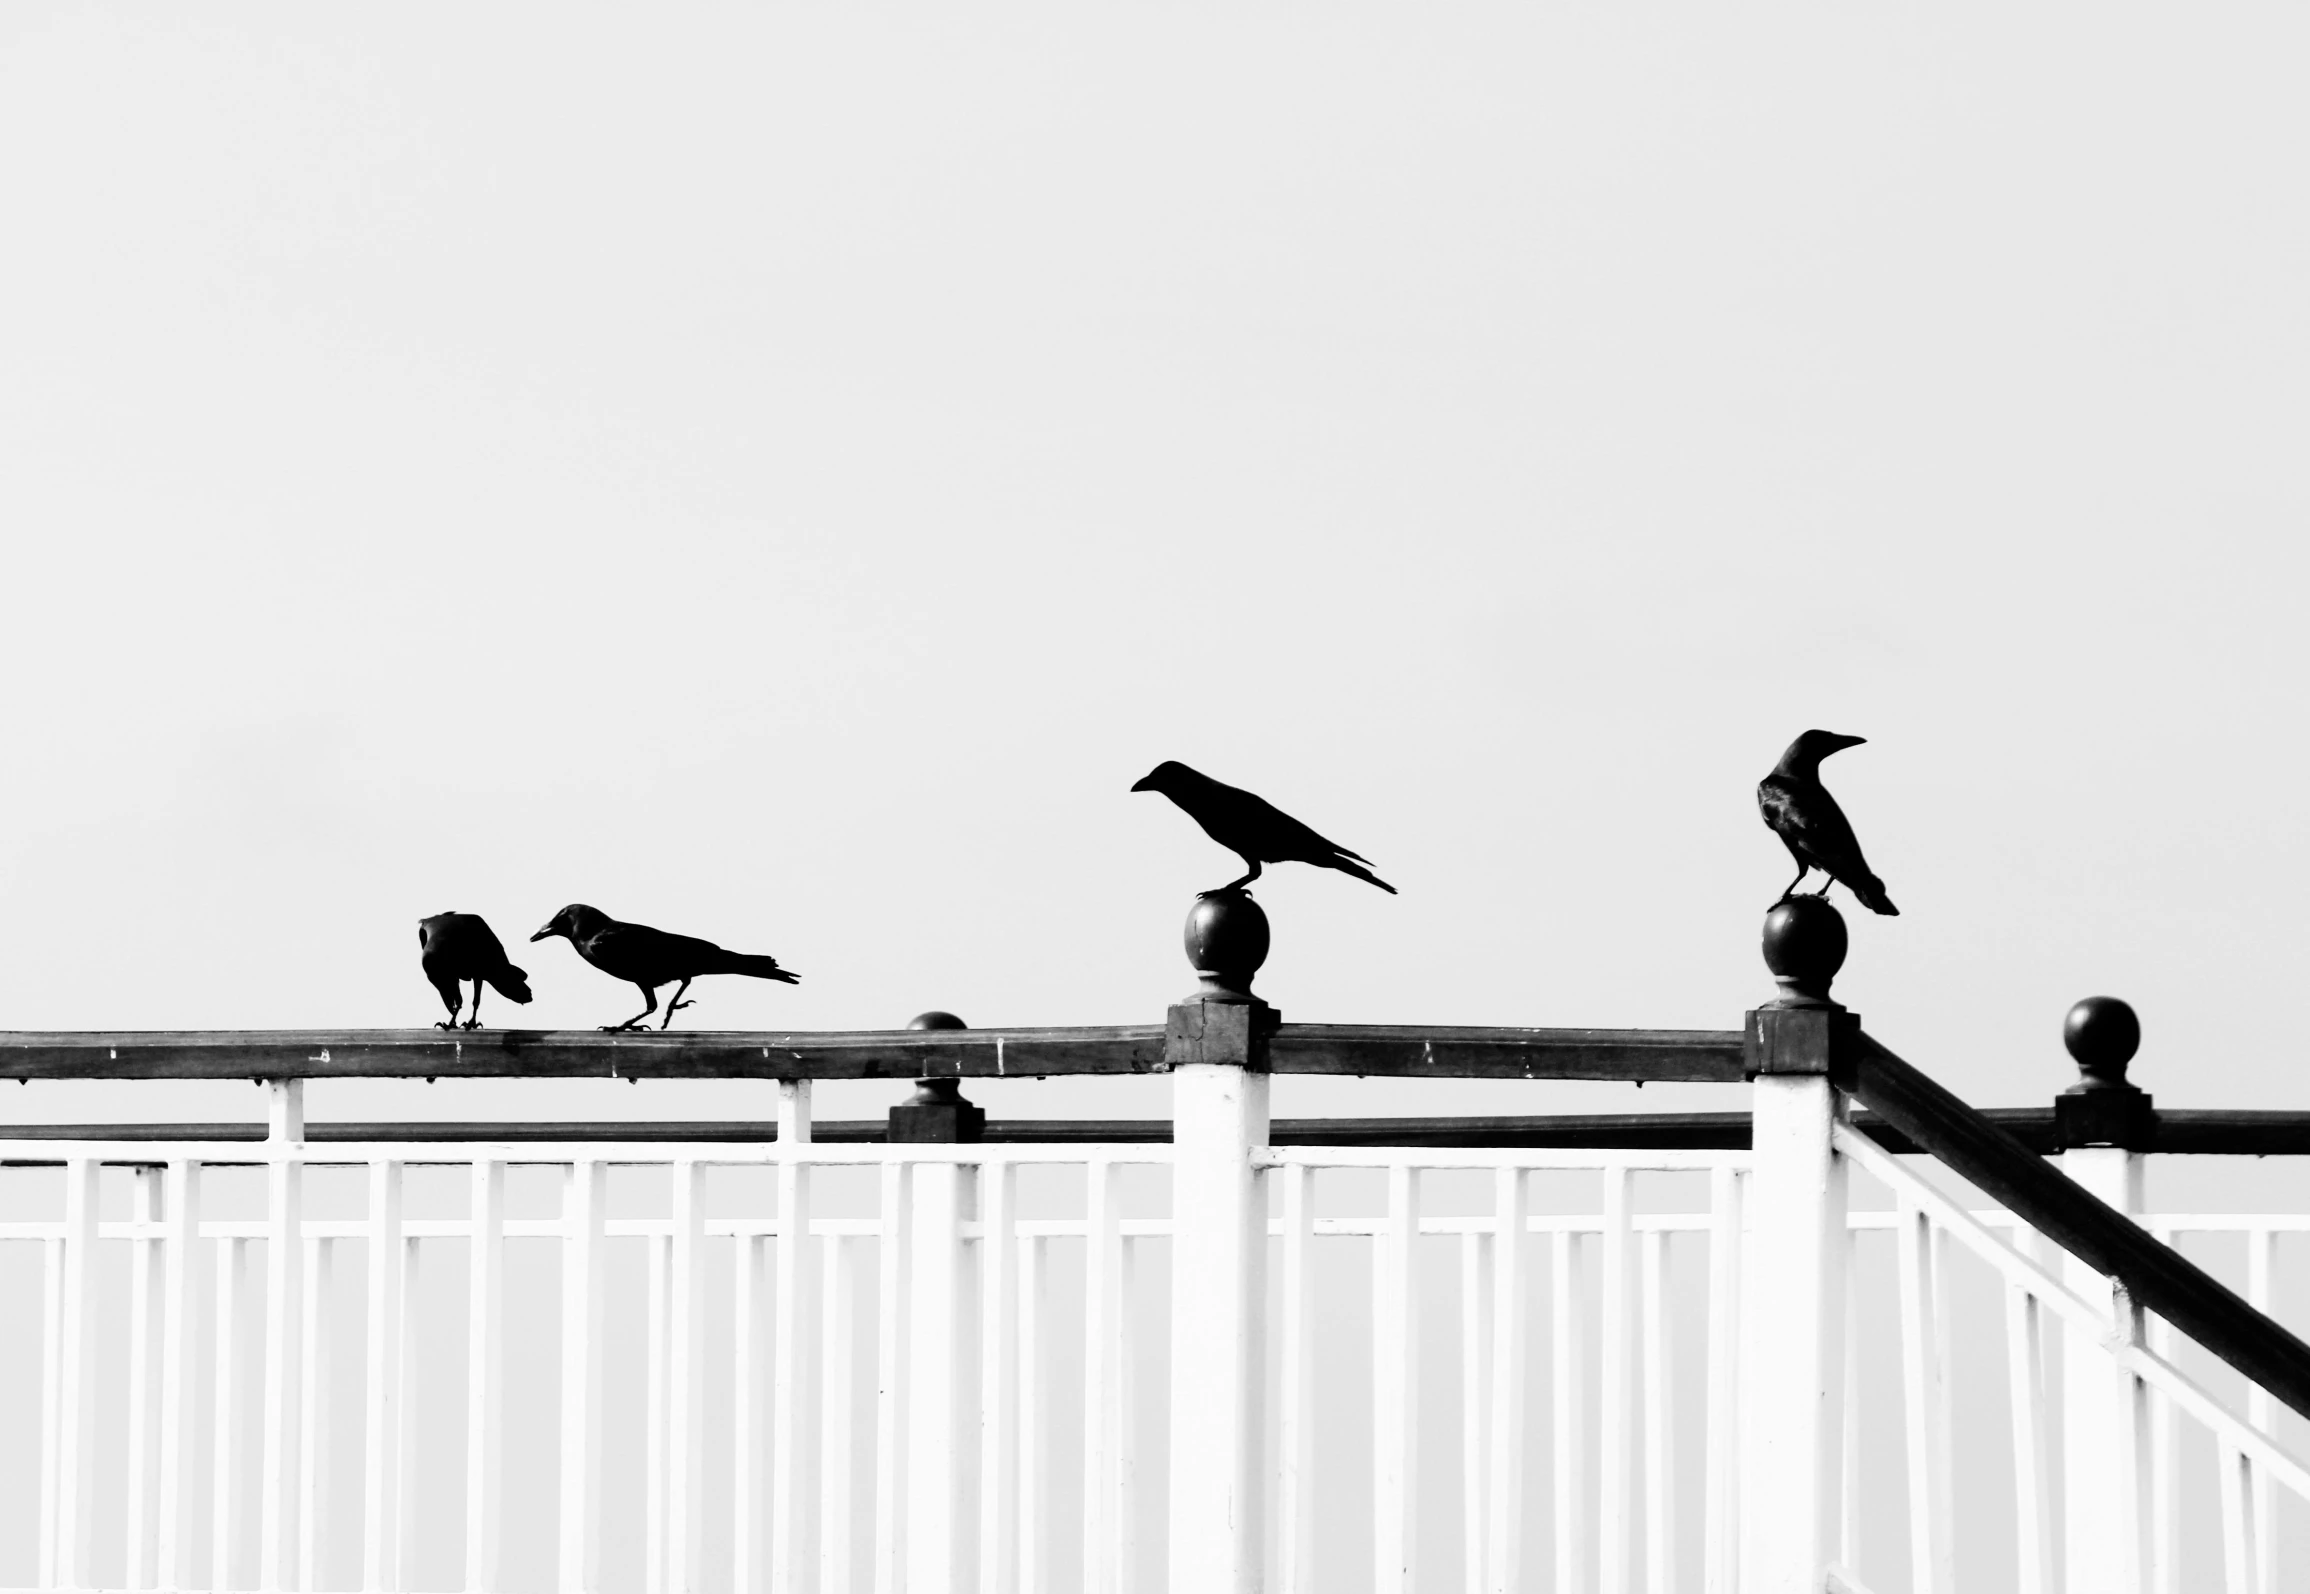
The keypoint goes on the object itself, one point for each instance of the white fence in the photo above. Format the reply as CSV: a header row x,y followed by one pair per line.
x,y
592,1365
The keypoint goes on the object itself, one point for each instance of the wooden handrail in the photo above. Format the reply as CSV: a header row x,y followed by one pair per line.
x,y
2153,1274
1378,1050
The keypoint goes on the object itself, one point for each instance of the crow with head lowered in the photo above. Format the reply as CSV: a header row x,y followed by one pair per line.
x,y
1811,825
651,958
1251,827
462,946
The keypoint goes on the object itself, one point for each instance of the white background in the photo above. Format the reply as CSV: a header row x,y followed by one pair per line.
x,y
782,478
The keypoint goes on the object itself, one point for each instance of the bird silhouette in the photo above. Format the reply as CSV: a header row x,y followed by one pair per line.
x,y
462,946
651,958
1811,825
1251,827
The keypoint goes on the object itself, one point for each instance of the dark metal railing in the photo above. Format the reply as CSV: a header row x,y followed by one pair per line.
x,y
1377,1050
2034,1129
2152,1273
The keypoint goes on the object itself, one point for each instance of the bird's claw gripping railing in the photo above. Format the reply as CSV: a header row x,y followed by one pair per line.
x,y
887,1401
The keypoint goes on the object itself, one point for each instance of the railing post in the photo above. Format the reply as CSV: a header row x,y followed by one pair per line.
x,y
941,1449
1793,1298
793,1382
284,1313
1215,1047
2104,1124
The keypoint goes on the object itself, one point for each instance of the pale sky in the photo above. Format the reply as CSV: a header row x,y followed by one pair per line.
x,y
782,477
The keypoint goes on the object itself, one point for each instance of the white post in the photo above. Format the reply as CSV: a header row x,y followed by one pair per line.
x,y
180,1378
1511,1330
381,1498
284,1324
314,1444
998,1376
941,1453
2105,1508
932,1487
837,1417
1218,1298
585,1206
793,1371
685,1383
1793,1301
146,1293
1396,1388
485,1388
74,1527
890,1397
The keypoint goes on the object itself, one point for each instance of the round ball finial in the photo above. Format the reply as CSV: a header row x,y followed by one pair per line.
x,y
1227,941
935,1019
2103,1034
1804,945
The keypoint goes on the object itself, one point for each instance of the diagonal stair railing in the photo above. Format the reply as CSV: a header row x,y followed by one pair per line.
x,y
2124,1294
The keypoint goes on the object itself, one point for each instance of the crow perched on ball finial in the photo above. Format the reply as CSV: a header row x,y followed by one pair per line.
x,y
1251,827
1811,825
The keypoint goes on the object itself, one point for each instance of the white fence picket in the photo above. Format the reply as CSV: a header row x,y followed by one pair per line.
x,y
179,1375
1502,1549
1395,1388
146,1331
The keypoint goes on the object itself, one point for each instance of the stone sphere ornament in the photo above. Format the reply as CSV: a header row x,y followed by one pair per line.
x,y
1804,946
2102,1034
1227,941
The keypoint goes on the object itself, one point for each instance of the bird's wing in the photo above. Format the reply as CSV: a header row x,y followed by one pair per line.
x,y
1289,840
648,957
488,950
1250,824
1773,802
1818,828
450,950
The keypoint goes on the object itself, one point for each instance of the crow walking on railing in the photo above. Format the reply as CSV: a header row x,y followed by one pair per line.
x,y
1811,825
462,946
1251,827
651,958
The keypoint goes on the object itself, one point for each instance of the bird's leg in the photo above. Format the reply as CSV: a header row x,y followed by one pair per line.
x,y
1791,889
676,1004
453,1000
1232,886
649,995
474,1021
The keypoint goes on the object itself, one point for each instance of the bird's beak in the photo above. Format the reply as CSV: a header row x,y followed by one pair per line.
x,y
542,934
1144,783
1844,742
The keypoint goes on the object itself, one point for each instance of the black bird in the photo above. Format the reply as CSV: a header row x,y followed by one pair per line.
x,y
1811,825
462,946
1251,827
651,958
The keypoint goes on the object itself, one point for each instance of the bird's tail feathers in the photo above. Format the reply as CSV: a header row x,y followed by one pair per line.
x,y
510,983
1871,892
762,968
1356,868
